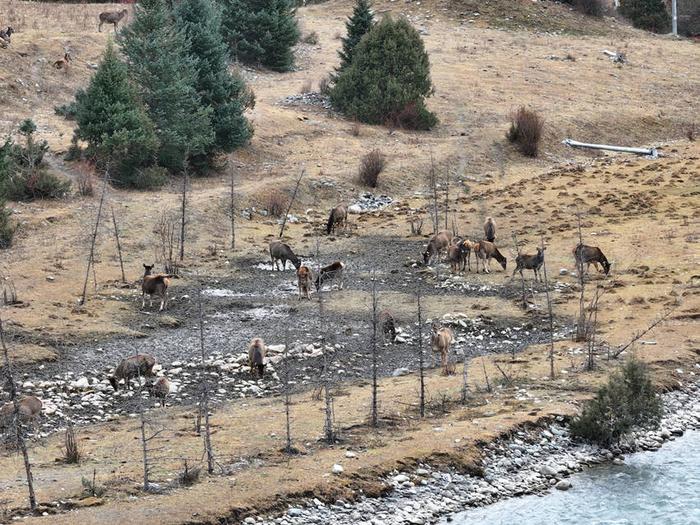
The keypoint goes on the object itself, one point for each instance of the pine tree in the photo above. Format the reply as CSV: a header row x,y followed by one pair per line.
x,y
646,14
357,26
226,93
114,123
261,31
166,76
388,78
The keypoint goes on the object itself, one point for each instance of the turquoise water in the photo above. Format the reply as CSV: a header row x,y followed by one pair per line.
x,y
659,488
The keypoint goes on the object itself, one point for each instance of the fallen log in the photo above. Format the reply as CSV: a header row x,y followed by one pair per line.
x,y
649,152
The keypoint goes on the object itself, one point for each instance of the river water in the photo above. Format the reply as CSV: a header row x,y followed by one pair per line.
x,y
660,488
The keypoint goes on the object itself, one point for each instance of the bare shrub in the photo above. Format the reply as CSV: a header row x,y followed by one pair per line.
x,y
306,87
71,452
310,38
588,7
324,86
355,129
85,181
410,117
371,166
91,488
188,476
274,201
691,132
526,129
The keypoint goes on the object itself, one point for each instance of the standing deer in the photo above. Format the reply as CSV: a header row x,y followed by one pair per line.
x,y
337,217
63,62
438,242
440,341
111,17
160,389
29,410
485,251
256,357
332,272
590,255
529,262
388,324
154,285
140,365
304,280
489,230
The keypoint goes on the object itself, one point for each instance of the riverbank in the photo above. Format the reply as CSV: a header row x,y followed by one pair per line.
x,y
531,460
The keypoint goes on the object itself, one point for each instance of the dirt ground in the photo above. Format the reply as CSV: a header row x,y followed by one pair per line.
x,y
642,213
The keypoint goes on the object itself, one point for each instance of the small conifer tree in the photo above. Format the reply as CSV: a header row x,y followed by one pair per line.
x,y
261,31
646,14
357,26
166,77
388,78
226,93
114,123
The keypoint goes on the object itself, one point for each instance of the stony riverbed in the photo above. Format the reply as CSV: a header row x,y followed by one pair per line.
x,y
528,462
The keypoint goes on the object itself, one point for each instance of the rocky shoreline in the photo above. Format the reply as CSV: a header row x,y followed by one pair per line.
x,y
530,461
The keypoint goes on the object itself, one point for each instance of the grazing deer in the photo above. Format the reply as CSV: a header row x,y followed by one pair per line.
x,y
440,341
29,410
256,357
304,280
63,62
590,255
529,262
154,285
111,17
333,271
140,365
388,324
485,251
489,230
438,242
280,251
160,389
337,217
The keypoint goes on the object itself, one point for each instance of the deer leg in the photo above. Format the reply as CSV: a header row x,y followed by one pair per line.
x,y
99,28
143,300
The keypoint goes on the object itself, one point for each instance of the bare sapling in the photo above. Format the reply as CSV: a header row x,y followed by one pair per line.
x,y
447,198
421,357
522,278
486,376
291,202
433,188
286,387
119,245
328,427
91,257
374,419
183,212
204,396
465,378
166,230
591,327
549,312
581,324
18,426
638,335
71,449
232,208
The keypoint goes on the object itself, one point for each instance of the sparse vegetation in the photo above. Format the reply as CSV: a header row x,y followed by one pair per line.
x,y
7,226
261,31
651,15
188,476
390,72
371,166
274,202
526,129
71,452
588,7
626,401
310,38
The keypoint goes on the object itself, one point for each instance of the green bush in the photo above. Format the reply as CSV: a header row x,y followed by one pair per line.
x,y
357,26
23,175
7,227
646,14
626,401
149,178
261,31
389,74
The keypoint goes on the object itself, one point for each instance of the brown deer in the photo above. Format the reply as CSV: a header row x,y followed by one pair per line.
x,y
459,255
304,280
154,285
63,62
489,229
438,242
6,34
140,365
590,255
280,251
529,262
160,389
29,410
256,357
332,272
440,341
111,17
388,324
485,251
337,217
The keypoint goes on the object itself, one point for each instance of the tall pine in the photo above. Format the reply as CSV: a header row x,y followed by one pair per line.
x,y
646,14
114,123
357,26
261,31
224,92
166,76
